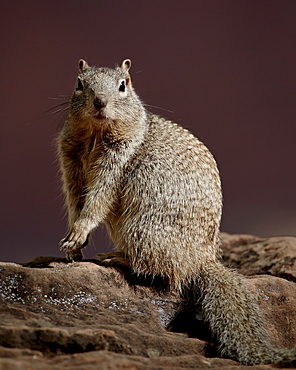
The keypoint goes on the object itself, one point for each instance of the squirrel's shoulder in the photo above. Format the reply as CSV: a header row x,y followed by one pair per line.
x,y
164,131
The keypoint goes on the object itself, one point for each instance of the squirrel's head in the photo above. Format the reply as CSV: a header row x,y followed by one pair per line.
x,y
103,93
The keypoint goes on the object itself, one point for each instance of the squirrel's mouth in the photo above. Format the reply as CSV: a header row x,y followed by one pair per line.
x,y
100,114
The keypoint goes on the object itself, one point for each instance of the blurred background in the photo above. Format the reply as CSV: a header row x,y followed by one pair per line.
x,y
226,70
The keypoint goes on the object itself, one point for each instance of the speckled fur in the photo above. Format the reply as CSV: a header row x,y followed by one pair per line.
x,y
157,188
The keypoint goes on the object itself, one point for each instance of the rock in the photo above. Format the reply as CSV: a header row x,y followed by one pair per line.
x,y
277,298
57,315
253,256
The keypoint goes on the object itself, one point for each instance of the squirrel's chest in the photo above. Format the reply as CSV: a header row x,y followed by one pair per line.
x,y
90,155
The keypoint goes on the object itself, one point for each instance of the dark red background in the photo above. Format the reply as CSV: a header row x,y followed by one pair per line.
x,y
225,68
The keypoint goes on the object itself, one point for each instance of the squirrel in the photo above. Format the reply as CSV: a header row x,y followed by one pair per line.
x,y
157,189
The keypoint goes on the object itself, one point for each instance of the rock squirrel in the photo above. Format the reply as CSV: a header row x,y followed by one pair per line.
x,y
157,189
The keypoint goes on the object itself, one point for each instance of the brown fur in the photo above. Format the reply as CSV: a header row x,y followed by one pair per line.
x,y
157,189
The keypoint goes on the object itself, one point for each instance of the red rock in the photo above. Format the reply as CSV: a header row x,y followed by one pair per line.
x,y
84,316
252,255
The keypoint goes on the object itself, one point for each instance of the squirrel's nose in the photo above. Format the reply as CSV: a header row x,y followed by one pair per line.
x,y
100,102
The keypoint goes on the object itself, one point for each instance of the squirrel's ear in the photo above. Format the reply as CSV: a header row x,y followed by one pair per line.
x,y
126,65
82,65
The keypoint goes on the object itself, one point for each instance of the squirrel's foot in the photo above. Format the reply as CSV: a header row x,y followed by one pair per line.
x,y
73,244
113,259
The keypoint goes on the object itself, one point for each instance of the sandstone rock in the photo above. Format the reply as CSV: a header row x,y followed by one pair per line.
x,y
253,256
58,315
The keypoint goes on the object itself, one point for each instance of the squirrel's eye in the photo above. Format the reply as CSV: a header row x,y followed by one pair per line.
x,y
122,86
79,86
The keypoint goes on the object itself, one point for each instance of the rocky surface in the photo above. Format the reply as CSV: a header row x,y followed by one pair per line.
x,y
256,256
57,315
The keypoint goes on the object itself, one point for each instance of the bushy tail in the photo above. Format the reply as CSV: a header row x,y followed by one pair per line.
x,y
235,319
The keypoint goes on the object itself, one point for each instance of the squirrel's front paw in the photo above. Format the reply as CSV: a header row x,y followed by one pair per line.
x,y
72,245
74,255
